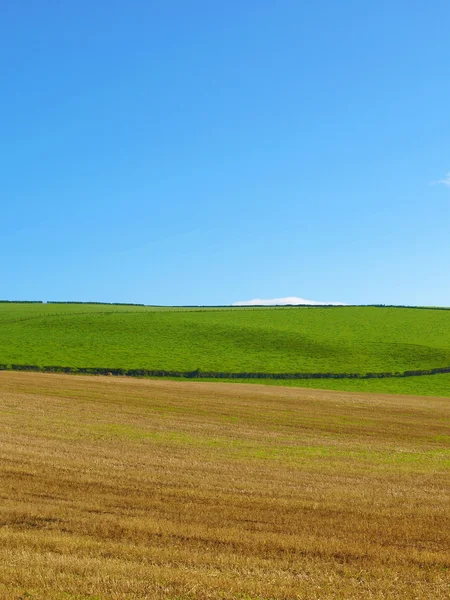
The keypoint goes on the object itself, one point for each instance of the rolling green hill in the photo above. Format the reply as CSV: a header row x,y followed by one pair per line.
x,y
227,340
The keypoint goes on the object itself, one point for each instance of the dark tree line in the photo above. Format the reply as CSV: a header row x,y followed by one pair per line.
x,y
21,302
227,306
197,373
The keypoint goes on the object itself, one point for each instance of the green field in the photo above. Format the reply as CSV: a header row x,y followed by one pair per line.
x,y
267,340
429,385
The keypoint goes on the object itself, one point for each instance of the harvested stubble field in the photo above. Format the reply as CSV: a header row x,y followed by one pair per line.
x,y
116,488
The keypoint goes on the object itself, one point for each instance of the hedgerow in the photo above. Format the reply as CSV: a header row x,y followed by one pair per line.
x,y
197,374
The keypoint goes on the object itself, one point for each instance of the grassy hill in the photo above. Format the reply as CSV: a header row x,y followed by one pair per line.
x,y
267,340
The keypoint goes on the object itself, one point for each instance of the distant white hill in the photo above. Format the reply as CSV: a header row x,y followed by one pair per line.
x,y
284,301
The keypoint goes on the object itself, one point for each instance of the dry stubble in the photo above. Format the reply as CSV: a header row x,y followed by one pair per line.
x,y
116,488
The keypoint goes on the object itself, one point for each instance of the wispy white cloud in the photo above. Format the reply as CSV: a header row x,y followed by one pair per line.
x,y
284,301
445,181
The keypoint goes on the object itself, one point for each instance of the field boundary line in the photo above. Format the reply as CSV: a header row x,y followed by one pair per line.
x,y
197,374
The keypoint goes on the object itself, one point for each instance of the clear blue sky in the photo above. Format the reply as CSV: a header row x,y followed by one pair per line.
x,y
205,152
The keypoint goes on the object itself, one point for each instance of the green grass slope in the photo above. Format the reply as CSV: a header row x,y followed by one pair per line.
x,y
269,340
425,385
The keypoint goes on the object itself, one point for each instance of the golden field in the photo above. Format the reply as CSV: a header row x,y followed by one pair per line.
x,y
117,488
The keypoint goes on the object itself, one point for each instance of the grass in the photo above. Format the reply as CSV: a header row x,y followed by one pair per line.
x,y
118,488
343,339
274,340
426,385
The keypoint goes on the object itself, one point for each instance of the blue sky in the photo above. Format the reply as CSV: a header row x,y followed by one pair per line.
x,y
205,152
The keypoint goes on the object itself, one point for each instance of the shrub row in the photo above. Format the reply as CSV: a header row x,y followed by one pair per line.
x,y
200,306
21,302
216,374
100,303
